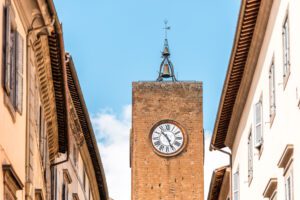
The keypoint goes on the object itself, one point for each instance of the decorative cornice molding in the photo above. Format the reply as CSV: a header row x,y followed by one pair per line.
x,y
42,59
75,123
249,37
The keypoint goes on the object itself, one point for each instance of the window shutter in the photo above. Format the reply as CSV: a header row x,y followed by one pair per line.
x,y
19,72
13,52
236,185
7,48
250,158
258,124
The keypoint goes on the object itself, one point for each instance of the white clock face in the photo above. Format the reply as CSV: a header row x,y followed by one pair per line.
x,y
167,138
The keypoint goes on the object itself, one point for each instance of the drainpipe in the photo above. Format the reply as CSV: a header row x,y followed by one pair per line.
x,y
51,170
230,165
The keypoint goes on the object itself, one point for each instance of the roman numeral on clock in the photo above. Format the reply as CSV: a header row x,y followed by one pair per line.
x,y
167,149
173,128
168,127
161,128
161,148
157,143
178,138
176,143
156,138
177,132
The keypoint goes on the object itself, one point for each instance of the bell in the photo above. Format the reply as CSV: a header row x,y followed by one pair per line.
x,y
166,73
166,52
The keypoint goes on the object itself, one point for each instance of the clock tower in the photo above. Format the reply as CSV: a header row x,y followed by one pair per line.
x,y
166,141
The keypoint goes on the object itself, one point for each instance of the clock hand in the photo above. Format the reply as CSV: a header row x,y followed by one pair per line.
x,y
166,136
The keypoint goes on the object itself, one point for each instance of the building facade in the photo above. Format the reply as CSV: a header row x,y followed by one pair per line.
x,y
260,104
47,145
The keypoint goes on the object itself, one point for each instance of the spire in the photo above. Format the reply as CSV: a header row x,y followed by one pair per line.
x,y
166,69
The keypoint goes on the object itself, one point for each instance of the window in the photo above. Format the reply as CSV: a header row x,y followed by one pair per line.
x,y
42,137
236,185
272,92
38,194
258,119
75,196
75,154
286,49
54,183
83,177
11,181
250,158
64,191
13,56
289,184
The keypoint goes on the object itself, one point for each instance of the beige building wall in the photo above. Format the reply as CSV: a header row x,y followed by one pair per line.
x,y
12,123
283,130
36,158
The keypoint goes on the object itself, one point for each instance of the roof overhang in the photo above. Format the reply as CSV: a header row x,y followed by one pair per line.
x,y
86,126
218,177
249,36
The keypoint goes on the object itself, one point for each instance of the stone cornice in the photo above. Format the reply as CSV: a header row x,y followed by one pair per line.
x,y
249,37
44,72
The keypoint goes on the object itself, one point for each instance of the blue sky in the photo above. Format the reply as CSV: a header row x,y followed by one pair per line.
x,y
115,42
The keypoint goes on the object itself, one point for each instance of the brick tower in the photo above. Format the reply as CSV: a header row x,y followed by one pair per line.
x,y
166,150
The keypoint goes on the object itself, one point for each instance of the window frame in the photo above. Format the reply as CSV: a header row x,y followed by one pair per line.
x,y
286,53
272,92
236,183
11,182
258,140
83,178
75,155
13,63
250,157
289,176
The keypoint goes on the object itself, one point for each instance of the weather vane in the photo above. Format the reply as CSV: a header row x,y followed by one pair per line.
x,y
166,28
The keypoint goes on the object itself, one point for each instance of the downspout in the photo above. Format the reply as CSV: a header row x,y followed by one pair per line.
x,y
230,165
51,170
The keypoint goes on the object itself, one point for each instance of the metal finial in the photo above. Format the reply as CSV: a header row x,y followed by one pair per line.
x,y
166,69
166,28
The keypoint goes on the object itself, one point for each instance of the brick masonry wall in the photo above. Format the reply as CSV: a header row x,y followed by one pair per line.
x,y
156,177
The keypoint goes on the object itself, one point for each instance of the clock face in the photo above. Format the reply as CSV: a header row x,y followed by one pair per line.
x,y
167,138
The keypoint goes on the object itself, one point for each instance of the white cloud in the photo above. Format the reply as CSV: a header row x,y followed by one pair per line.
x,y
112,132
213,160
